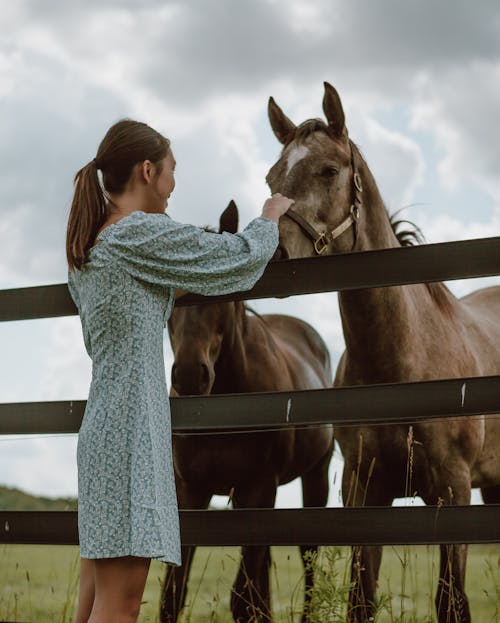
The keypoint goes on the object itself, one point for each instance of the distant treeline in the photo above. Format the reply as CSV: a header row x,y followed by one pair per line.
x,y
16,500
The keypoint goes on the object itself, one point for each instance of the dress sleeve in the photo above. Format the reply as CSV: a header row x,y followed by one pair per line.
x,y
156,249
73,291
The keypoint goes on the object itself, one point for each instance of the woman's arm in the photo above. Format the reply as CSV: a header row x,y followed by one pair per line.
x,y
159,250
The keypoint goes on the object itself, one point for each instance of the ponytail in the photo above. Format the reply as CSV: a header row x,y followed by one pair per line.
x,y
88,213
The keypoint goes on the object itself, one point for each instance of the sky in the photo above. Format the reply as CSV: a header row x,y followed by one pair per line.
x,y
419,83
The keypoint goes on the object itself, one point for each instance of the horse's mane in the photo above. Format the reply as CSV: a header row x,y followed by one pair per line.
x,y
409,237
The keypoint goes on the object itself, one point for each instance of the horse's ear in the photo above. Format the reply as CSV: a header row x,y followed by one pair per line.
x,y
229,219
332,107
280,123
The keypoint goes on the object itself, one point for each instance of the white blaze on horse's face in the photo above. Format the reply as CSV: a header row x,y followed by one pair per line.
x,y
296,154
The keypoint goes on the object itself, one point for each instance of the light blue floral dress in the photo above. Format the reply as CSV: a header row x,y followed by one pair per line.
x,y
127,503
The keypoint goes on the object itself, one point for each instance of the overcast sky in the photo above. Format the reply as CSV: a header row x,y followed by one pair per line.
x,y
420,87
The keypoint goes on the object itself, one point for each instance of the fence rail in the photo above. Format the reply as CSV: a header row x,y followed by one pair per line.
x,y
347,271
395,403
418,525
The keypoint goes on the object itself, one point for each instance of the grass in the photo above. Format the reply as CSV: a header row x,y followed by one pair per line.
x,y
40,583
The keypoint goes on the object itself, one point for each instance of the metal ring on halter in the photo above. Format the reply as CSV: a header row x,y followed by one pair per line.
x,y
321,244
355,212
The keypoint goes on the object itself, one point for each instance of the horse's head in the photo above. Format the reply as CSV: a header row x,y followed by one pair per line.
x,y
198,332
318,169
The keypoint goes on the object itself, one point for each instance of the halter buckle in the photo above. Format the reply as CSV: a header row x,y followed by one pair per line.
x,y
320,244
355,212
357,182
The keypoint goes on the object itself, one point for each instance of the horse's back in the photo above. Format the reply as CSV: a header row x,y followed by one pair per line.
x,y
300,341
482,320
486,300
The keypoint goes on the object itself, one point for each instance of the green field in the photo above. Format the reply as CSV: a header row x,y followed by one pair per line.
x,y
38,584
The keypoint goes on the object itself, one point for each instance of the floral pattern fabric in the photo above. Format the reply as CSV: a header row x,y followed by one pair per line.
x,y
127,503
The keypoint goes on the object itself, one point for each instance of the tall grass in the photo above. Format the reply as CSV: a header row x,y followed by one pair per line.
x,y
39,583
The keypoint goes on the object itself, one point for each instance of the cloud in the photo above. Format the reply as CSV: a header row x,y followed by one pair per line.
x,y
40,466
399,164
67,374
418,34
49,126
460,113
193,49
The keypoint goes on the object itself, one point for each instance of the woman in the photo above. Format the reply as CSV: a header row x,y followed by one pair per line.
x,y
128,261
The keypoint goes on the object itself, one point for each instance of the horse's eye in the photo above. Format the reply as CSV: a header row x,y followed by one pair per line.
x,y
328,171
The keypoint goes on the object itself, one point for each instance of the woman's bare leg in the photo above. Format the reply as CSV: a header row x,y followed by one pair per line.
x,y
87,590
119,587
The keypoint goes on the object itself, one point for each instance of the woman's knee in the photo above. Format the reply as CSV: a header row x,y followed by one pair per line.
x,y
117,606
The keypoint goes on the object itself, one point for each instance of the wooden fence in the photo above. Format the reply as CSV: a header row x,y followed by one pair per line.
x,y
375,404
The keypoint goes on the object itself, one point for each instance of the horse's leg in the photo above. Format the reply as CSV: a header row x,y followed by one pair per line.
x,y
250,597
452,486
174,589
315,488
365,565
452,605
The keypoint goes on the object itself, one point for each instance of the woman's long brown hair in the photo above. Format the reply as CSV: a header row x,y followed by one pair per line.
x,y
126,143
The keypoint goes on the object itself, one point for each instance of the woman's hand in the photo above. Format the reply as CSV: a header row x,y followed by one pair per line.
x,y
276,206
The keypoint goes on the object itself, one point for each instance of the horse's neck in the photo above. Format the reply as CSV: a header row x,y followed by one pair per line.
x,y
384,324
232,362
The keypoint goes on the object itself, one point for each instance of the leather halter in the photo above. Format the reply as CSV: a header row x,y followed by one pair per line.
x,y
321,240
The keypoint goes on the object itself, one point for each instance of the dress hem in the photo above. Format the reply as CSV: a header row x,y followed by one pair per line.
x,y
161,557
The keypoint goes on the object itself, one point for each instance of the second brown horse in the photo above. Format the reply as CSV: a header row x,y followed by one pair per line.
x,y
220,349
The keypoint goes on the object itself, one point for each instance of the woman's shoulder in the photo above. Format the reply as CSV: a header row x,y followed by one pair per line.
x,y
140,217
135,223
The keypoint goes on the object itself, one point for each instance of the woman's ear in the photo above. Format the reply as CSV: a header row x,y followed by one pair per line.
x,y
146,171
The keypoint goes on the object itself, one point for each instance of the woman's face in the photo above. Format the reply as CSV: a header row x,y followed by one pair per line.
x,y
164,183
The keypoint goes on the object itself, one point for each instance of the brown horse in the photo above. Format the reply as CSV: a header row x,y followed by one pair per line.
x,y
220,349
394,334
